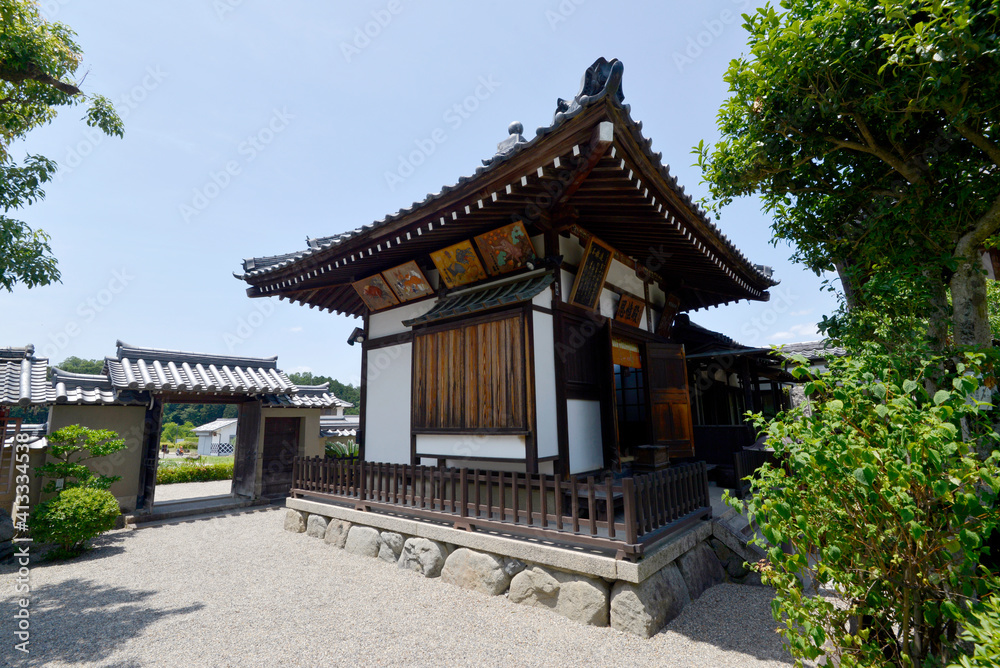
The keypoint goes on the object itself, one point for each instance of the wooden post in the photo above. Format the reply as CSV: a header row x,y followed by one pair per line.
x,y
247,448
463,493
631,522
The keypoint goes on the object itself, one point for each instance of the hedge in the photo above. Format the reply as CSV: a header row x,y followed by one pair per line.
x,y
194,473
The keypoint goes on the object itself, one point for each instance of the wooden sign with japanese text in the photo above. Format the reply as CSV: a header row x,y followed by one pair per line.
x,y
630,309
591,274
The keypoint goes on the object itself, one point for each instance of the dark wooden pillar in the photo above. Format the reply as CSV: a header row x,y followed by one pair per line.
x,y
247,448
152,424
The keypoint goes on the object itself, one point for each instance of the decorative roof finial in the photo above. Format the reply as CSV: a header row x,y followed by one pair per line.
x,y
508,145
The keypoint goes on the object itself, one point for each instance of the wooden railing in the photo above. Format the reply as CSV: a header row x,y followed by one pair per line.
x,y
746,462
626,515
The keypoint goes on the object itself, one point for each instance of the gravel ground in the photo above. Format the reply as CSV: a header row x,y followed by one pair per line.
x,y
239,591
191,490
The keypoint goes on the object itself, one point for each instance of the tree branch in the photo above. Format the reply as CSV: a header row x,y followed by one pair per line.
x,y
905,170
980,142
987,225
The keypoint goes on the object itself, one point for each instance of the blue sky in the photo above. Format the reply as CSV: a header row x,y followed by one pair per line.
x,y
251,125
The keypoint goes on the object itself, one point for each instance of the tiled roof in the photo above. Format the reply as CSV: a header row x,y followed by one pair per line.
x,y
85,388
306,396
484,298
331,426
813,350
214,425
602,82
173,370
23,379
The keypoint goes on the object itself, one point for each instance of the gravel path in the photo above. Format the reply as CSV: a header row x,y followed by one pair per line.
x,y
191,490
239,591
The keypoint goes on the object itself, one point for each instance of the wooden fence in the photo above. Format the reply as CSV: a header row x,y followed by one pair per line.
x,y
746,462
626,515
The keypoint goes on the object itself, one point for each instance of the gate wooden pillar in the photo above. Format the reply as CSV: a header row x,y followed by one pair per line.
x,y
247,449
150,454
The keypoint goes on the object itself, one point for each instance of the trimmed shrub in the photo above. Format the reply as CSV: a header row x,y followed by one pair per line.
x,y
194,473
73,517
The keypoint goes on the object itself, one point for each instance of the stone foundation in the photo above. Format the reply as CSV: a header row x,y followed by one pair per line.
x,y
639,598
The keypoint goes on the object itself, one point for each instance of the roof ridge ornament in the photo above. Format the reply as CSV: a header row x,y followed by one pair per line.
x,y
603,78
508,145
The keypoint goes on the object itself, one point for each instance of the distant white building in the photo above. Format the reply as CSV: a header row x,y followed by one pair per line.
x,y
217,437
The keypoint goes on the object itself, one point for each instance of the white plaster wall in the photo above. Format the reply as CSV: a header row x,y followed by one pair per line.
x,y
545,385
492,466
608,303
585,449
386,323
387,405
656,296
538,243
624,277
500,446
571,249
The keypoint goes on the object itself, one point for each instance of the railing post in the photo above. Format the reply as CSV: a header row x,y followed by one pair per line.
x,y
704,488
463,501
631,521
295,475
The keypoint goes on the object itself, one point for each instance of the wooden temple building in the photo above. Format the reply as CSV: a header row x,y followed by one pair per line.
x,y
525,318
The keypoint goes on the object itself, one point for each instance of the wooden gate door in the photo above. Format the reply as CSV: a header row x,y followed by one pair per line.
x,y
670,404
281,444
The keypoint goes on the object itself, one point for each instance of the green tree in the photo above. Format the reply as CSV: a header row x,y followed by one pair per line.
x,y
870,130
69,450
993,299
881,501
38,64
78,365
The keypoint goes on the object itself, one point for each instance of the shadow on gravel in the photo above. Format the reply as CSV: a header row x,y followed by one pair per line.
x,y
81,621
733,618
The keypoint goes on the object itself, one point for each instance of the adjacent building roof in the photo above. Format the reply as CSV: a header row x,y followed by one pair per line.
x,y
174,370
134,375
306,396
86,388
591,165
23,379
214,426
813,350
331,426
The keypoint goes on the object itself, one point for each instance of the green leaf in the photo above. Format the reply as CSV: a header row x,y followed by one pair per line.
x,y
909,386
941,396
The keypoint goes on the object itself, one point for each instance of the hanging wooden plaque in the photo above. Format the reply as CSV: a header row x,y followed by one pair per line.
x,y
408,282
375,292
630,309
591,274
506,248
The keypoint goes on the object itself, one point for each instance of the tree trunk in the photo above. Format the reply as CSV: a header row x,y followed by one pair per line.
x,y
939,323
847,282
970,319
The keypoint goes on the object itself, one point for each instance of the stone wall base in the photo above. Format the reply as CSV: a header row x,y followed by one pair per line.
x,y
641,599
